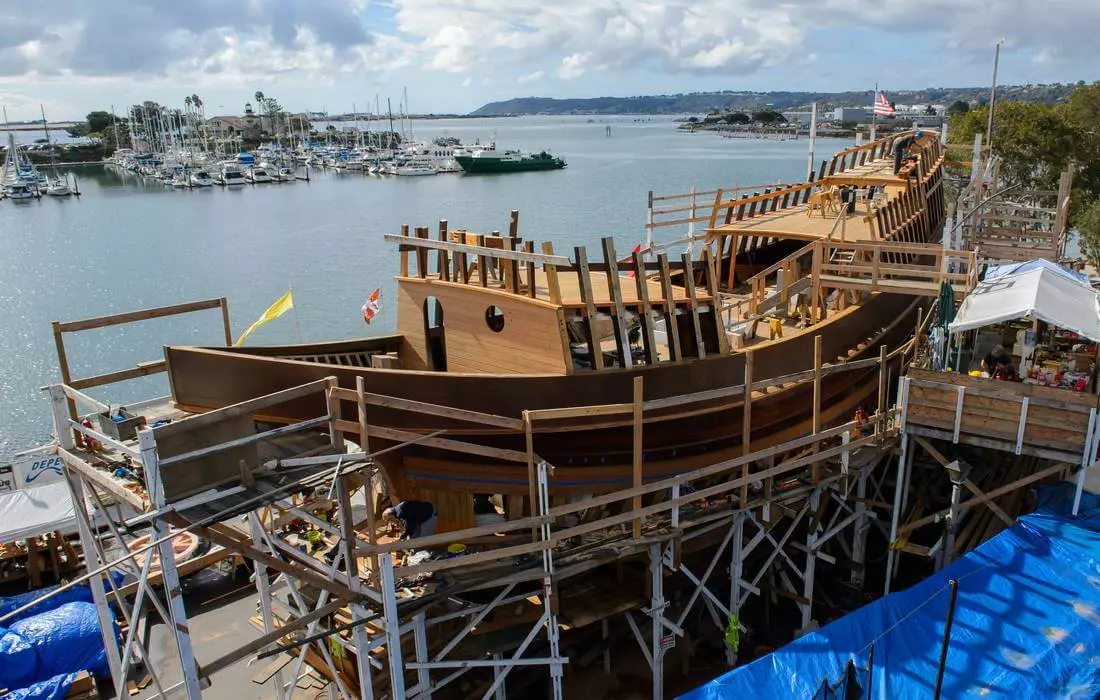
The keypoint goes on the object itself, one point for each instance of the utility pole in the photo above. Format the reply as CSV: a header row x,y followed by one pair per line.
x,y
993,95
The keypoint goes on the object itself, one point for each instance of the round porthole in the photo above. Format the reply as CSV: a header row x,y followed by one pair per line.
x,y
494,318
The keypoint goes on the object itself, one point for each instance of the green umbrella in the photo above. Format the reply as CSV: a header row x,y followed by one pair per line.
x,y
947,305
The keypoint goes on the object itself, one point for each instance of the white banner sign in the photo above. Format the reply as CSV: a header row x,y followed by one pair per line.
x,y
34,468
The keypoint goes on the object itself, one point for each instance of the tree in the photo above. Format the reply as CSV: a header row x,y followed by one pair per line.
x,y
958,107
77,130
99,121
1088,227
768,117
930,110
738,118
260,107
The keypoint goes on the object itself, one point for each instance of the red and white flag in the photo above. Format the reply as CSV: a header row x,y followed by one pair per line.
x,y
883,108
372,305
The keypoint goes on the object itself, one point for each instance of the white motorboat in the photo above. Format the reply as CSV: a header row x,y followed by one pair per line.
x,y
58,188
19,191
258,174
420,165
232,175
201,178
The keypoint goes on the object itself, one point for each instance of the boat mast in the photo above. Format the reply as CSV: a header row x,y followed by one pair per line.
x,y
408,119
49,144
993,96
813,139
874,101
389,139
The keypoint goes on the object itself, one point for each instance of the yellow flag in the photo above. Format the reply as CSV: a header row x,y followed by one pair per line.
x,y
280,307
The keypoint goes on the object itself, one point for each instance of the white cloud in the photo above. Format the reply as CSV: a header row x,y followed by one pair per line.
x,y
530,77
466,82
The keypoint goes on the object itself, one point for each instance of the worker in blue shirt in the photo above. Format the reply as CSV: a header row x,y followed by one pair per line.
x,y
417,518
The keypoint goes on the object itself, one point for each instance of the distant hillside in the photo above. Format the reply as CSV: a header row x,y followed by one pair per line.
x,y
701,102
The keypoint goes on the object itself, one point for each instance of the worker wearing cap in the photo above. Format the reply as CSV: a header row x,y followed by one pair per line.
x,y
417,518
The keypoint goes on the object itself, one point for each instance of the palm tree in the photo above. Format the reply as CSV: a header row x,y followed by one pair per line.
x,y
260,106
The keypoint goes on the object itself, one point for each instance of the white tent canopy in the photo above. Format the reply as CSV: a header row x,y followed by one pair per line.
x,y
1038,293
35,511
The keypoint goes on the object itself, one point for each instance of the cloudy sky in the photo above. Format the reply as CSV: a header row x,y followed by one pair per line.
x,y
454,55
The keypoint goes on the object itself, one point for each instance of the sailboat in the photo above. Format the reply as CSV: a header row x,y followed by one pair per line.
x,y
15,185
54,186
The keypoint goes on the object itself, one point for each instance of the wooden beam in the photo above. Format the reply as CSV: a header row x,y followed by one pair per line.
x,y
645,311
589,309
693,304
425,243
404,252
622,340
142,370
443,256
421,233
238,409
553,286
143,315
712,290
671,327
224,304
746,428
532,290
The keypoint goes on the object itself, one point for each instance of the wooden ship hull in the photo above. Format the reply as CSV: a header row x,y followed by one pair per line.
x,y
530,363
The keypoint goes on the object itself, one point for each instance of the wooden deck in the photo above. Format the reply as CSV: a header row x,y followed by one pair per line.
x,y
797,223
875,173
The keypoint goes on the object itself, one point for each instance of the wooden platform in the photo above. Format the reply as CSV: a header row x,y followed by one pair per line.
x,y
875,173
1008,416
795,223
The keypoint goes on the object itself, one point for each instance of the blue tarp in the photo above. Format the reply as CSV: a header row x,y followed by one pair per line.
x,y
81,593
995,271
50,689
60,641
1027,625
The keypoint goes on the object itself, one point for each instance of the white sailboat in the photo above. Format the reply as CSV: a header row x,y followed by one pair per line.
x,y
54,186
15,186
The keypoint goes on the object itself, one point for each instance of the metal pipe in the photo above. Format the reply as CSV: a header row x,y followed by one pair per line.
x,y
946,637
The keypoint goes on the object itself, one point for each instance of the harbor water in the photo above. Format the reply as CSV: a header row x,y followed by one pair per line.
x,y
129,243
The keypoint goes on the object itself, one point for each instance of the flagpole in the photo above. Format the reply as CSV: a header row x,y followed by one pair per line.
x,y
297,325
874,101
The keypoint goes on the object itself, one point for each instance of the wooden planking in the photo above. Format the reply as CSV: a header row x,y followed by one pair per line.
x,y
584,279
530,342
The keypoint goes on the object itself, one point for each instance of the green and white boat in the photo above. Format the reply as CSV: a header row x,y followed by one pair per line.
x,y
493,161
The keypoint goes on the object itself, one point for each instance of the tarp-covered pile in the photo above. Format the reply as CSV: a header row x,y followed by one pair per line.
x,y
1027,625
42,650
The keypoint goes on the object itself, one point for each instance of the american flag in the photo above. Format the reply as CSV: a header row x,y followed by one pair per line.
x,y
883,108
